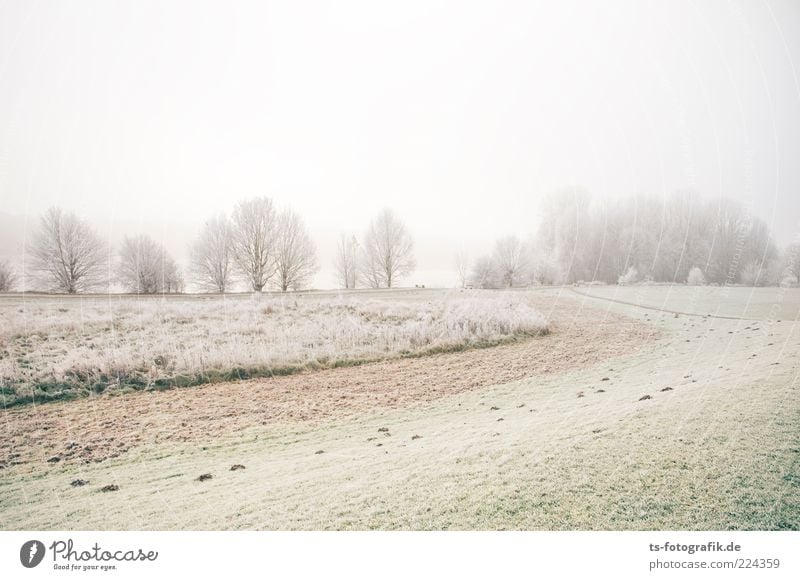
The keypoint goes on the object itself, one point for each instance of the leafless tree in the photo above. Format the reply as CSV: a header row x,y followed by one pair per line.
x,y
173,282
295,254
7,277
68,254
510,261
484,274
254,230
462,267
742,246
791,260
146,268
388,251
211,256
347,261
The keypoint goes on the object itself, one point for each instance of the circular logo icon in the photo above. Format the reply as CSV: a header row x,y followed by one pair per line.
x,y
31,553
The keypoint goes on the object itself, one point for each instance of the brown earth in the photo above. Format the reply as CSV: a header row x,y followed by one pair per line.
x,y
104,427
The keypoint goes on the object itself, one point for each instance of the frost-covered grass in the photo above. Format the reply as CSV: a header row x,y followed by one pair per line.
x,y
61,348
715,447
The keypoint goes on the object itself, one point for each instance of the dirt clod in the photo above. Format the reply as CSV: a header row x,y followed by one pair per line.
x,y
110,487
78,482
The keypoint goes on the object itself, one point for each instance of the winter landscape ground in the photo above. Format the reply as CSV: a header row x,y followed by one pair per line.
x,y
641,407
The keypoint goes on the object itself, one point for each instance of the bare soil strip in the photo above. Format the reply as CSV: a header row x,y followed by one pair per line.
x,y
105,427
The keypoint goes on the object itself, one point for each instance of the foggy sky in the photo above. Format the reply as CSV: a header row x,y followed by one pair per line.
x,y
153,116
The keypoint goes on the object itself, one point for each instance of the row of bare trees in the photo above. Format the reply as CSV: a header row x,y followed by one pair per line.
x,y
680,239
68,256
258,245
384,256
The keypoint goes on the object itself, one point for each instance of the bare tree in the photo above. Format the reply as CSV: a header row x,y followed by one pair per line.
x,y
791,259
388,251
172,278
462,267
146,268
484,273
295,254
347,261
211,256
510,260
254,229
67,253
7,277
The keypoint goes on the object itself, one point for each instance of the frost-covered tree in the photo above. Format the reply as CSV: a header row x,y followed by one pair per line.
x,y
741,244
510,261
254,232
566,233
67,254
145,267
7,277
295,254
388,251
484,273
346,262
462,267
212,256
791,260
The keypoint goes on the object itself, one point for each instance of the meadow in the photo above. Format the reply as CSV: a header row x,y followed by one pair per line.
x,y
67,347
639,409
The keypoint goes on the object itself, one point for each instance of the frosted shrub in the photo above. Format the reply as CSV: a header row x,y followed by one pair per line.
x,y
789,281
696,277
492,319
629,277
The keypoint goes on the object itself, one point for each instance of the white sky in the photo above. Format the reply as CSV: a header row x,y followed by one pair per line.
x,y
152,116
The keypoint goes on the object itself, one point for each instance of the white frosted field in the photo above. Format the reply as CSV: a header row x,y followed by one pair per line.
x,y
626,417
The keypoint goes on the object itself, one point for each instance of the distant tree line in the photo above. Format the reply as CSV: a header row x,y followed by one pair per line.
x,y
682,239
641,239
257,245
